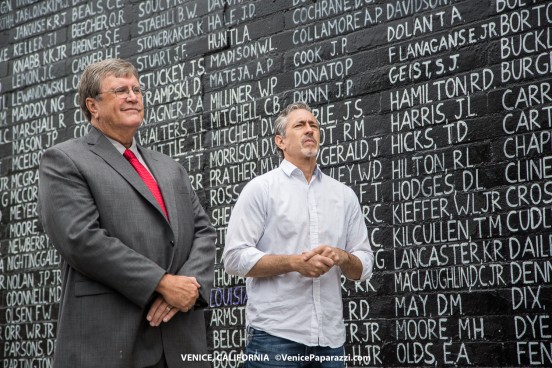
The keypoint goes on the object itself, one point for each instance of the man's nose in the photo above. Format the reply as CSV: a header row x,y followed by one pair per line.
x,y
132,95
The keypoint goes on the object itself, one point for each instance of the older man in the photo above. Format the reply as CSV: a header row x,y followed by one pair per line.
x,y
137,247
293,232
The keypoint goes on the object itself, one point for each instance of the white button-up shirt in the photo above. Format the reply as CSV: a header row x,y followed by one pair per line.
x,y
280,213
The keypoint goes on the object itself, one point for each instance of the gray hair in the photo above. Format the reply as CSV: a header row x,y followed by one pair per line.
x,y
281,120
91,79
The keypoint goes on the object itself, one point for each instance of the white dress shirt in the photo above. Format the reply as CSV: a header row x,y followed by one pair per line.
x,y
280,213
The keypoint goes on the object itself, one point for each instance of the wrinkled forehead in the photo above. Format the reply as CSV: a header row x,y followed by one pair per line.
x,y
301,115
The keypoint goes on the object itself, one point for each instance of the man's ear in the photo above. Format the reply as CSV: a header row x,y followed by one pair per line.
x,y
279,140
92,106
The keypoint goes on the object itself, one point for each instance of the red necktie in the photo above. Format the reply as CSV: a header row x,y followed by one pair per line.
x,y
147,178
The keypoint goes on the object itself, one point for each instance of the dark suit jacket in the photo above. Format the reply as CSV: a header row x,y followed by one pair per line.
x,y
116,245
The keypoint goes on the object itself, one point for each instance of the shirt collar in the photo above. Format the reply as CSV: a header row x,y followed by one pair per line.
x,y
121,148
290,168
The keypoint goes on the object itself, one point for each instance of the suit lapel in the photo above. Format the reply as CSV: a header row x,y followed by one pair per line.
x,y
165,185
102,147
167,190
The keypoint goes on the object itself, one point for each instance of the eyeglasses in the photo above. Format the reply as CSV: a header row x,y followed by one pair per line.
x,y
124,92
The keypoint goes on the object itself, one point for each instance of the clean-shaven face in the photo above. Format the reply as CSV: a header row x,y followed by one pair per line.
x,y
115,113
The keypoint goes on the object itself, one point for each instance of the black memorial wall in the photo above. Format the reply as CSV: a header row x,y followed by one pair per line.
x,y
438,113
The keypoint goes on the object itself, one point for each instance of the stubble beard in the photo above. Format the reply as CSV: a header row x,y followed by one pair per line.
x,y
309,152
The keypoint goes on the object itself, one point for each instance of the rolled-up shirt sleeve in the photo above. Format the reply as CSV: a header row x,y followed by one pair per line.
x,y
245,228
357,237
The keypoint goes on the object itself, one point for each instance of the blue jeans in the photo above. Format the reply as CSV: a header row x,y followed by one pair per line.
x,y
286,353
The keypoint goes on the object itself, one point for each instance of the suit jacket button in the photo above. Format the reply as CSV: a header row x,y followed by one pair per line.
x,y
172,243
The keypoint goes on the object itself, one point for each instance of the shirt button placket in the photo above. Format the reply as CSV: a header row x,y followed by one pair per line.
x,y
315,241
